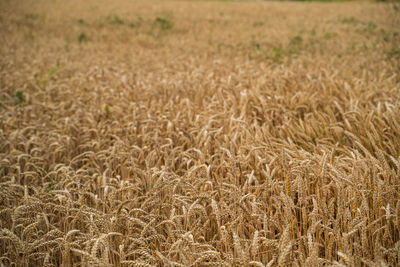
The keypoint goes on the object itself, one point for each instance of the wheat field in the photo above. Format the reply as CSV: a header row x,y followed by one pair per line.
x,y
191,133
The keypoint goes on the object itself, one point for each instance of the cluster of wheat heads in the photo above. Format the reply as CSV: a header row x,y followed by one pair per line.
x,y
174,158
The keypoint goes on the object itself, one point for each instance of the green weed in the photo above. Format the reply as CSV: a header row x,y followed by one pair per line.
x,y
276,54
296,40
19,95
293,50
163,23
294,45
42,81
82,38
135,24
53,70
107,111
31,16
313,32
52,185
327,36
255,45
115,20
371,27
258,24
393,52
29,37
350,20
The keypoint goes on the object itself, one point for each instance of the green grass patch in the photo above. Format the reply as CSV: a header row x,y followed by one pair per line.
x,y
258,24
394,52
82,38
296,40
31,16
163,23
19,96
115,20
348,20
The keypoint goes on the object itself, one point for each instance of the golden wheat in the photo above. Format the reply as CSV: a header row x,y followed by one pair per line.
x,y
191,133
